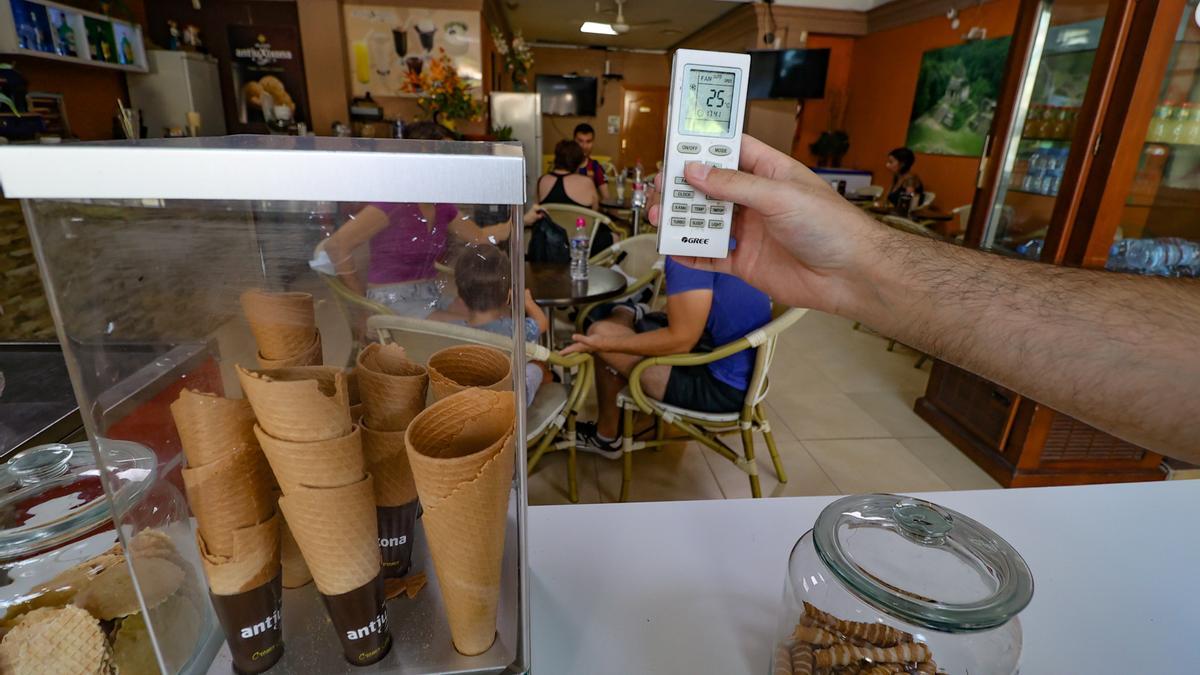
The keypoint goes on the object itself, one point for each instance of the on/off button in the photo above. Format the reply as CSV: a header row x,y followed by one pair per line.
x,y
688,148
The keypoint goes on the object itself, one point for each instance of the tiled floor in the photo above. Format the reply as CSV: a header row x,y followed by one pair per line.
x,y
841,407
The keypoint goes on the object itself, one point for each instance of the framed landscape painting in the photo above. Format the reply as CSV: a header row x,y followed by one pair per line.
x,y
956,97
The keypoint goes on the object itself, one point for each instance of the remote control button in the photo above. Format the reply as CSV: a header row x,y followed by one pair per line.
x,y
696,222
698,208
678,221
720,150
717,209
712,199
685,194
679,207
680,180
688,148
716,165
716,223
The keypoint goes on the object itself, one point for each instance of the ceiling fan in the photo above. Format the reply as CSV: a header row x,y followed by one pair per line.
x,y
619,24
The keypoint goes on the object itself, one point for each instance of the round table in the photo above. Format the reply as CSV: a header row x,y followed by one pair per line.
x,y
552,287
618,208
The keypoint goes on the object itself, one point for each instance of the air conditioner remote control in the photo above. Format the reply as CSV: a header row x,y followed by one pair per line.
x,y
704,124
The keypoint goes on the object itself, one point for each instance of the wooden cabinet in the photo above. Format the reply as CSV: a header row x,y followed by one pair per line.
x,y
1093,161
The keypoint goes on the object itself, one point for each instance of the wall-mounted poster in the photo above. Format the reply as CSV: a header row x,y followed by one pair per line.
x,y
267,73
956,97
388,43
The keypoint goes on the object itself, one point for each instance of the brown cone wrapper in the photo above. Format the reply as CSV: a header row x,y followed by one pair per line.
x,y
252,561
392,388
462,451
316,464
229,494
299,404
397,525
360,618
295,570
253,625
387,461
456,368
283,324
211,426
311,356
338,533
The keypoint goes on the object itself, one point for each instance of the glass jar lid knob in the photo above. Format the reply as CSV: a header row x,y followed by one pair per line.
x,y
923,522
42,463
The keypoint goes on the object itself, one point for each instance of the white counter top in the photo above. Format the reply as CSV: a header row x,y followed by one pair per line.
x,y
695,587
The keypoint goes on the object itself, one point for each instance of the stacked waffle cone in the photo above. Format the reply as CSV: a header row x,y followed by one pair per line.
x,y
284,327
229,487
315,452
461,450
393,391
461,367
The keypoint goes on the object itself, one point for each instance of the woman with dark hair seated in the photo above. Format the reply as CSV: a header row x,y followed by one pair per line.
x,y
563,185
900,162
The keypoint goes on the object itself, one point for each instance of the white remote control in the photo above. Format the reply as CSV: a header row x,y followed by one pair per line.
x,y
704,124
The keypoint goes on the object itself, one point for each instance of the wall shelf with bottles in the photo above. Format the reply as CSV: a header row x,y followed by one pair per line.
x,y
49,30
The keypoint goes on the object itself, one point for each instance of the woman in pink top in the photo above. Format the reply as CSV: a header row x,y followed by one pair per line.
x,y
404,241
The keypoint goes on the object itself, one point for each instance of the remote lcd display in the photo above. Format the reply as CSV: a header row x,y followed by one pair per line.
x,y
709,107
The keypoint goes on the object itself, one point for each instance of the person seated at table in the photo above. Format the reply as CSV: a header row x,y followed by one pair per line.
x,y
483,277
585,136
704,310
900,163
563,185
404,240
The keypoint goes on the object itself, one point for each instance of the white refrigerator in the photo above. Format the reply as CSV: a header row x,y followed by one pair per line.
x,y
522,112
178,83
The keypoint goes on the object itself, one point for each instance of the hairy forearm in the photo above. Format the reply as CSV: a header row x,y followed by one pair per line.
x,y
661,342
1119,352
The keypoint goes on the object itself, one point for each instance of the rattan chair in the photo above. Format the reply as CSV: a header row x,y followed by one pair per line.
x,y
549,420
566,214
704,427
641,260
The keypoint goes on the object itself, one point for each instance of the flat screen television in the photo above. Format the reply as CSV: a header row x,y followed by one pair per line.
x,y
788,73
567,95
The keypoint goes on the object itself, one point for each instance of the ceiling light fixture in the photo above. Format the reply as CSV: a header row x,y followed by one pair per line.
x,y
597,28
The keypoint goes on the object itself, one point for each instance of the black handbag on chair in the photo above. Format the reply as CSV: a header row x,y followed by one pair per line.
x,y
548,243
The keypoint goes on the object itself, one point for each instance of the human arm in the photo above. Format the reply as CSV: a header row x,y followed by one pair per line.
x,y
532,215
466,229
356,231
687,313
1115,351
533,311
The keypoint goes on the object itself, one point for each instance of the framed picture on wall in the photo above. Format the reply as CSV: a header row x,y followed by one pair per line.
x,y
268,74
387,44
956,97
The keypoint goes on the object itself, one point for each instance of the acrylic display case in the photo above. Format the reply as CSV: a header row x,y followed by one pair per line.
x,y
287,494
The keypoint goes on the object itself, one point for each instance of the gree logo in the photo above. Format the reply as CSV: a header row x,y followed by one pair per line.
x,y
694,240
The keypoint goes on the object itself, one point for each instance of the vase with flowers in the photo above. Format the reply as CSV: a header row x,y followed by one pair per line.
x,y
442,94
518,58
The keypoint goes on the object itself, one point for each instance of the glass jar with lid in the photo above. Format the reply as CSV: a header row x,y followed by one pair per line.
x,y
899,582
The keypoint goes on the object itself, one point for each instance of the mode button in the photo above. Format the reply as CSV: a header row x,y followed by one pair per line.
x,y
719,150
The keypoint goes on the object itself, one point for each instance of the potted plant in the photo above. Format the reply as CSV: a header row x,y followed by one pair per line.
x,y
518,58
442,94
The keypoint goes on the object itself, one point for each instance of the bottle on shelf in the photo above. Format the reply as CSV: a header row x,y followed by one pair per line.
x,y
1057,123
1171,130
1191,123
579,251
1169,256
1157,133
1033,122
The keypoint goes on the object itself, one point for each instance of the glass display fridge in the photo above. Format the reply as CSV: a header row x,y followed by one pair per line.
x,y
268,484
1092,162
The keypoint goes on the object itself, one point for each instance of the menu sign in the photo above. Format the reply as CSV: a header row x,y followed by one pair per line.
x,y
268,72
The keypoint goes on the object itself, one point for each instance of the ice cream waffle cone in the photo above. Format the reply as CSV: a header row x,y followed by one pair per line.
x,y
310,356
387,461
295,570
230,494
299,404
57,640
211,426
283,324
338,534
392,388
456,368
461,450
111,594
316,464
253,561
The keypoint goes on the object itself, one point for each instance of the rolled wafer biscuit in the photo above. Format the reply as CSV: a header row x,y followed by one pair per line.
x,y
814,635
781,664
844,655
875,633
801,658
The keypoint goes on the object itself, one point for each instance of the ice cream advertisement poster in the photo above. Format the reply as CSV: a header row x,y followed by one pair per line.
x,y
268,75
386,44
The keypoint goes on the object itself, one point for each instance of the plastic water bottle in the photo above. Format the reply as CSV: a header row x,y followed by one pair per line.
x,y
1169,256
579,251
